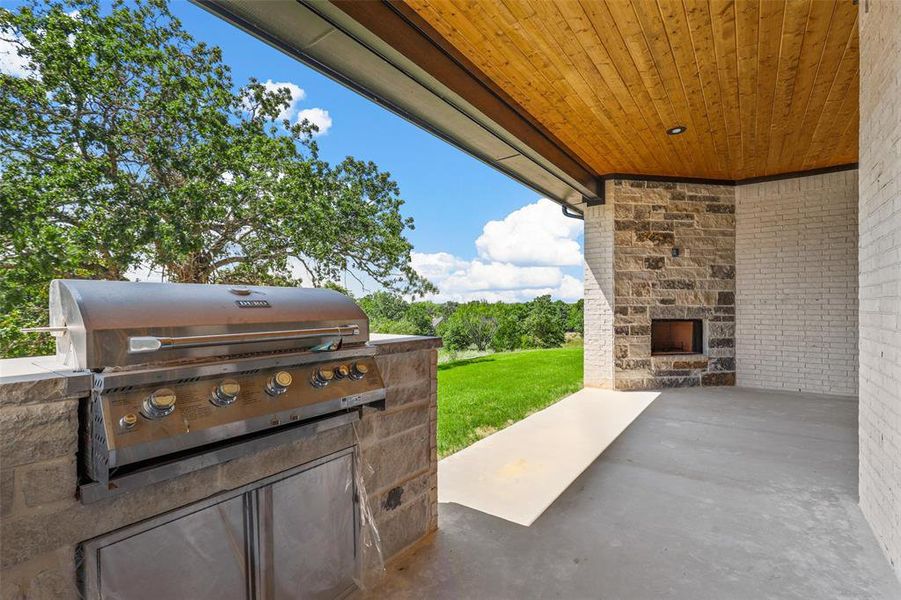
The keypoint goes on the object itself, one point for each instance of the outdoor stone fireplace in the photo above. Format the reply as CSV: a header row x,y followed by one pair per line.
x,y
665,253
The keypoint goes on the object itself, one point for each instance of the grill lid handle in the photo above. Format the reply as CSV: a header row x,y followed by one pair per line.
x,y
149,343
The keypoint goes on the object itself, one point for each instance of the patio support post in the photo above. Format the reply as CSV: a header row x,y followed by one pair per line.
x,y
599,294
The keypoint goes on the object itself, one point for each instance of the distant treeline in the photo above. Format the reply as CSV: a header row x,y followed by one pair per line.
x,y
540,323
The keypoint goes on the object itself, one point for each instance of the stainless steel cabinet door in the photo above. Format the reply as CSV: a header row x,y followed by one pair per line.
x,y
198,556
288,536
308,524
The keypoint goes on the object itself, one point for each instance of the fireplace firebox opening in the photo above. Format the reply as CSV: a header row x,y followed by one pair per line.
x,y
677,336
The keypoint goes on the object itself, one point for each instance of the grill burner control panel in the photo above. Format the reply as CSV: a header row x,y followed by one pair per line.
x,y
148,421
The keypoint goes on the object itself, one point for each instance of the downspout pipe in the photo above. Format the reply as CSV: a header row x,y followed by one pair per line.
x,y
567,212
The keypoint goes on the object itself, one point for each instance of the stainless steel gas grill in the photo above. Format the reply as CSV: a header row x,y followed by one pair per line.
x,y
187,375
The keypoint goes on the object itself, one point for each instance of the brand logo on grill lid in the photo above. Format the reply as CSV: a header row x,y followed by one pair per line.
x,y
253,304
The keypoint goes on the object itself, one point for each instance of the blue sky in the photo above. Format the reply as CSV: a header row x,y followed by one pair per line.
x,y
450,195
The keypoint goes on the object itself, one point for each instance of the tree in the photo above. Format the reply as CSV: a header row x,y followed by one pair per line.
x,y
509,332
543,327
424,316
482,328
331,285
575,318
402,327
384,306
472,324
126,143
455,334
390,313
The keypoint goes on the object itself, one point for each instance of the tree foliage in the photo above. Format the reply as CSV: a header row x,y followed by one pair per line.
x,y
129,145
540,323
389,313
472,324
509,334
575,320
544,326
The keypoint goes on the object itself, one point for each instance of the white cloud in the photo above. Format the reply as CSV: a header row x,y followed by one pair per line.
x,y
536,234
318,117
73,14
478,276
436,265
297,94
10,61
519,257
463,280
570,288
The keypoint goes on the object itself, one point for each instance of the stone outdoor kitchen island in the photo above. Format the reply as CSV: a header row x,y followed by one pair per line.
x,y
44,522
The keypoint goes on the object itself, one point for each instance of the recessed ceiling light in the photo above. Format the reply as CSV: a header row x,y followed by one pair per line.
x,y
676,130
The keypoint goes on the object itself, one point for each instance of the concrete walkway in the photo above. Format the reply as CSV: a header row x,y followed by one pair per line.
x,y
719,493
516,473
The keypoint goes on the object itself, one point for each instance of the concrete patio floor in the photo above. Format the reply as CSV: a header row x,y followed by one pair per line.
x,y
719,493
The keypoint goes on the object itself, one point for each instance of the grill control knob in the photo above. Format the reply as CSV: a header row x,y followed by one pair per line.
x,y
226,392
279,383
128,421
341,372
322,377
159,404
358,371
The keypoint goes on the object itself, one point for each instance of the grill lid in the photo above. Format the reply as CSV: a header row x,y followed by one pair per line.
x,y
122,323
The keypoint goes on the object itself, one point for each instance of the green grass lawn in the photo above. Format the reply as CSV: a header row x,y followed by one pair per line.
x,y
478,396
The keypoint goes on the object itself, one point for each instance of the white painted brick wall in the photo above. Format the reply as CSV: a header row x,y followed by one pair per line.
x,y
599,294
796,284
880,272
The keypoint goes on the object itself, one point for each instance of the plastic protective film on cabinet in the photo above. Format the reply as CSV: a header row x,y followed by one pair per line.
x,y
305,533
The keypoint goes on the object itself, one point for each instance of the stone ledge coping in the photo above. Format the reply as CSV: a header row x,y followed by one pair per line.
x,y
14,369
40,379
391,343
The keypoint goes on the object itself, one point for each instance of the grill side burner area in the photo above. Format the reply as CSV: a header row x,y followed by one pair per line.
x,y
183,408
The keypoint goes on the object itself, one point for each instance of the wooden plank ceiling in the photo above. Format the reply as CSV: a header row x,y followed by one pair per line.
x,y
763,87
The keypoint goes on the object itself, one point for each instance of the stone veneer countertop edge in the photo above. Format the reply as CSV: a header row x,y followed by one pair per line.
x,y
40,379
389,343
